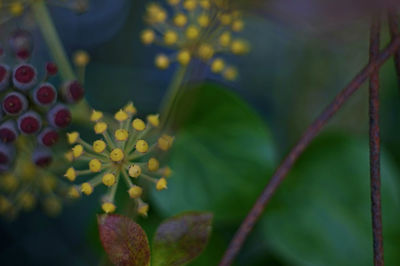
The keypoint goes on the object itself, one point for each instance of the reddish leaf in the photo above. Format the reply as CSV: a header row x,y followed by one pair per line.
x,y
124,241
182,238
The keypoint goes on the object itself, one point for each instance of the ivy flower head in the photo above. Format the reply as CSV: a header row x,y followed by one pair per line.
x,y
201,30
127,151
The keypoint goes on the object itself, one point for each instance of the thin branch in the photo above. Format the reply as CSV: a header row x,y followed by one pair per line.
x,y
393,19
299,148
374,143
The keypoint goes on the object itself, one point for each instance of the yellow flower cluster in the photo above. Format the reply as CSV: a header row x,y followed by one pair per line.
x,y
27,185
16,8
126,152
198,30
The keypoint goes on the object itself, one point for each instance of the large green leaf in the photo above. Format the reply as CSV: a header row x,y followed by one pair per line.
x,y
321,214
182,238
222,156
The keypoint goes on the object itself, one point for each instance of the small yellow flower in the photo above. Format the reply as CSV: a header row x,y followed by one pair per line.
x,y
192,32
225,39
121,134
99,146
138,124
154,120
143,208
72,137
100,127
87,188
153,164
70,174
117,155
230,73
16,8
167,172
162,61
239,47
161,184
81,58
170,37
217,65
190,5
135,171
109,179
130,108
121,116
69,156
184,57
95,165
206,51
135,192
237,25
180,20
203,20
142,146
148,36
96,116
165,142
73,193
77,151
108,207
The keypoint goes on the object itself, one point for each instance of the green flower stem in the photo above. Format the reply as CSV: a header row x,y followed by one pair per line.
x,y
80,111
170,100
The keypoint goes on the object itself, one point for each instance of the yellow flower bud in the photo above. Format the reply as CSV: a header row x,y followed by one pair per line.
x,y
69,156
239,47
130,108
165,142
203,20
109,179
99,146
72,137
117,155
173,2
96,116
170,37
162,61
81,58
192,32
142,146
138,124
143,208
230,73
153,120
225,39
77,151
16,8
180,20
135,171
167,172
205,4
95,166
121,134
108,207
148,37
135,192
100,127
190,5
217,65
237,25
206,51
184,57
121,116
74,193
153,164
161,184
87,188
225,19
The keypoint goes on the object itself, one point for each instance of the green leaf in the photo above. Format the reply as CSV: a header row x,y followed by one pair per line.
x,y
124,241
182,238
222,156
321,214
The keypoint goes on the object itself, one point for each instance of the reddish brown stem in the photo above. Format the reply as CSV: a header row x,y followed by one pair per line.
x,y
299,148
394,32
374,143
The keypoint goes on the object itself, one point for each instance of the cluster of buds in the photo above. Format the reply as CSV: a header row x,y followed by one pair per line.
x,y
129,150
31,106
16,8
27,185
196,30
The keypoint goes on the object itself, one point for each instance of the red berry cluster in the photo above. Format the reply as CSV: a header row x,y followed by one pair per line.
x,y
30,106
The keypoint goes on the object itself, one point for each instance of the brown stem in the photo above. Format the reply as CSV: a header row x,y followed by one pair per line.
x,y
298,149
393,19
374,143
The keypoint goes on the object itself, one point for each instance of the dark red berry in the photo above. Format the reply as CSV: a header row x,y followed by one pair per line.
x,y
14,103
45,94
29,123
41,157
51,68
73,91
48,137
24,76
59,116
8,132
21,43
4,76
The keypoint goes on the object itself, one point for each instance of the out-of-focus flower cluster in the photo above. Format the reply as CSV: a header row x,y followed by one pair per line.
x,y
32,106
16,8
196,29
130,151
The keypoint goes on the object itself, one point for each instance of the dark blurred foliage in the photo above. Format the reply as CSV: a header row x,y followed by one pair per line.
x,y
234,134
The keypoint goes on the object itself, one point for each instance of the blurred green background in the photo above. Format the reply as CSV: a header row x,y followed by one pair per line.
x,y
233,137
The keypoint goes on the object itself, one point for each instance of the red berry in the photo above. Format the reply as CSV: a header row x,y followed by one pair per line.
x,y
48,137
14,103
59,116
51,68
29,123
45,94
8,132
73,91
41,157
24,76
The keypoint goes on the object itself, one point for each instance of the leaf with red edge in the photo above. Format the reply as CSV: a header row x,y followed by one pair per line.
x,y
124,241
182,238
